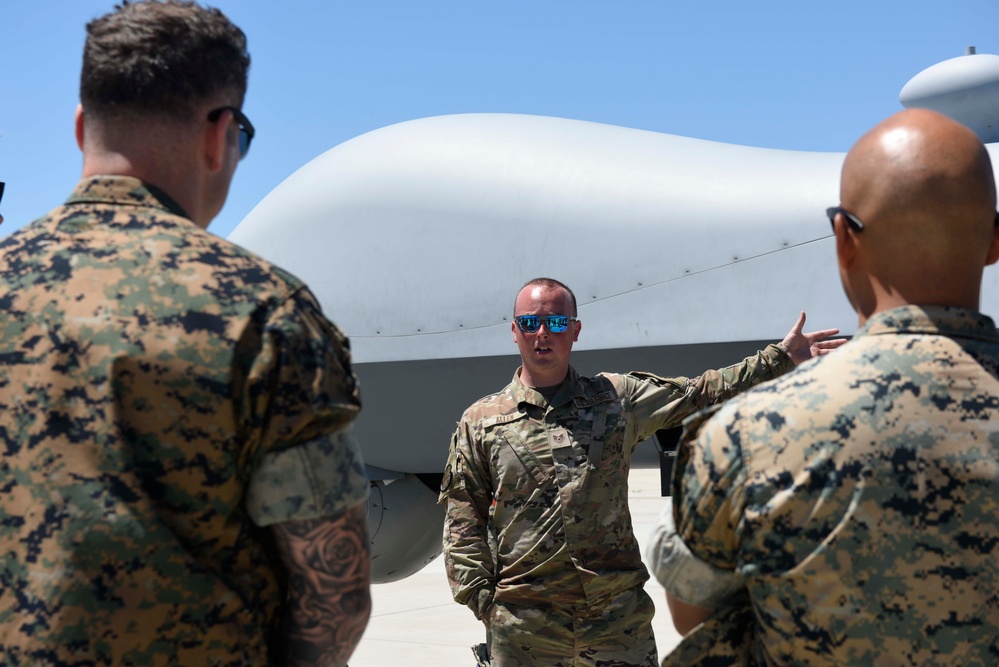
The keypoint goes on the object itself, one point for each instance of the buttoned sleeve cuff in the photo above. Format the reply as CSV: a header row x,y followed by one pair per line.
x,y
320,478
684,575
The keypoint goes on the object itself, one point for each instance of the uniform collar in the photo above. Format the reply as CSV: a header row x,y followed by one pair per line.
x,y
938,320
123,191
568,390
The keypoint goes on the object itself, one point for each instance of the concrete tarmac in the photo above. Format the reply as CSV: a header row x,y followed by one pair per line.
x,y
415,622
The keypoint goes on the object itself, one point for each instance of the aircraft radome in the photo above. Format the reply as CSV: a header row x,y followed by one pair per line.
x,y
684,255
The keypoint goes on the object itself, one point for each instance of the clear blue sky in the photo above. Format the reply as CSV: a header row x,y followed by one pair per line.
x,y
788,74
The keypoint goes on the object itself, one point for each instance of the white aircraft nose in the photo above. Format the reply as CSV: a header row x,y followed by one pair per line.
x,y
965,88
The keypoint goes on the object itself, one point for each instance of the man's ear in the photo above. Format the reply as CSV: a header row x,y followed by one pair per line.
x,y
78,125
994,246
846,243
214,140
579,326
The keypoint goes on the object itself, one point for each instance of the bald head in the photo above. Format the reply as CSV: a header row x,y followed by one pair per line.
x,y
923,186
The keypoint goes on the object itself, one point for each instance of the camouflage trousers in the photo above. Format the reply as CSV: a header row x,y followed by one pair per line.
x,y
618,632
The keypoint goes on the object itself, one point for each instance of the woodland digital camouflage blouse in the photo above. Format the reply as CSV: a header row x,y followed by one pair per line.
x,y
152,375
858,497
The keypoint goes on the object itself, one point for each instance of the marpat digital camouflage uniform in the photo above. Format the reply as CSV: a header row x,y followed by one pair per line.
x,y
537,510
858,498
164,396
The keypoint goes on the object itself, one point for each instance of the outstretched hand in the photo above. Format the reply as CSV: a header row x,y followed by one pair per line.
x,y
803,346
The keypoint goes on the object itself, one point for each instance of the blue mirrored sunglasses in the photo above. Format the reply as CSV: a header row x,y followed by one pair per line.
x,y
246,130
554,323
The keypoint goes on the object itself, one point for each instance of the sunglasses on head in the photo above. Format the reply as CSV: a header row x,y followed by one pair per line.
x,y
554,323
246,131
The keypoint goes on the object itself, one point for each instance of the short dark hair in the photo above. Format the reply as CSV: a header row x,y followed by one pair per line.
x,y
161,58
550,283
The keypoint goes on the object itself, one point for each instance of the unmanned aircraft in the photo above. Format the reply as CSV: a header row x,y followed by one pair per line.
x,y
684,255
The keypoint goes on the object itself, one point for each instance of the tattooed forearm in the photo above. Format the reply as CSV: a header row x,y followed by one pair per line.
x,y
329,571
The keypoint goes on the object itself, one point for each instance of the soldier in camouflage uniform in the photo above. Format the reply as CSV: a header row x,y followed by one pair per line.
x,y
180,483
538,539
853,505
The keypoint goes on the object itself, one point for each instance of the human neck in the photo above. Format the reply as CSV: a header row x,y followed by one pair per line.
x,y
539,382
886,299
180,184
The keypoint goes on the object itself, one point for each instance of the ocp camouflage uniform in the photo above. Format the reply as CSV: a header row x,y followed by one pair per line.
x,y
538,539
857,498
164,396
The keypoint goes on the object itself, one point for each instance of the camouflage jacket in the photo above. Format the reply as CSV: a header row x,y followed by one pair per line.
x,y
858,497
537,492
163,394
